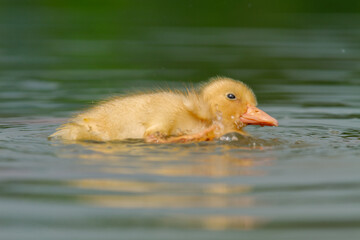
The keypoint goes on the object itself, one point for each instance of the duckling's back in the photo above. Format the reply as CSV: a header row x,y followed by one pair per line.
x,y
130,117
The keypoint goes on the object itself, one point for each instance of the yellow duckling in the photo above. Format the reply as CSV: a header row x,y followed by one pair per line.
x,y
220,106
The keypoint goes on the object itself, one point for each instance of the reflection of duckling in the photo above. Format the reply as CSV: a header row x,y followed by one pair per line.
x,y
221,106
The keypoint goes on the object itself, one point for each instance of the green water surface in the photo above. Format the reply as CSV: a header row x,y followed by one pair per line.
x,y
297,181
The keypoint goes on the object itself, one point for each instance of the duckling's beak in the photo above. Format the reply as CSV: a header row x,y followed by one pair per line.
x,y
255,116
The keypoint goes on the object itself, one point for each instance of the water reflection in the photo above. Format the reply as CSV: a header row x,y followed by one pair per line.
x,y
182,177
176,162
167,201
213,159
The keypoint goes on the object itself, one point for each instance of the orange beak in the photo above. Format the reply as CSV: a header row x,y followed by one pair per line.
x,y
255,116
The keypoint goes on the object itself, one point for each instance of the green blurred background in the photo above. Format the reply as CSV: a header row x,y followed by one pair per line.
x,y
25,23
198,38
111,16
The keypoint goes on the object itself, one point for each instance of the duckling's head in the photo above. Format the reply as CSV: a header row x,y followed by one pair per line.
x,y
234,103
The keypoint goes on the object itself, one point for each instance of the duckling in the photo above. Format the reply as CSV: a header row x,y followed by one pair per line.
x,y
218,107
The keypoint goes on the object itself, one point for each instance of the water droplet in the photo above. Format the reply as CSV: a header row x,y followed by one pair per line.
x,y
334,132
239,124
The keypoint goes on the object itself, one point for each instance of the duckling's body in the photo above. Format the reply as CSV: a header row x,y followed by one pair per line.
x,y
165,116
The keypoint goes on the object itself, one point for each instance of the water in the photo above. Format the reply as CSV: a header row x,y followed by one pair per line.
x,y
298,180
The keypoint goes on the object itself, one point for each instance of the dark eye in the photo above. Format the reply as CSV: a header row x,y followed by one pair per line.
x,y
231,96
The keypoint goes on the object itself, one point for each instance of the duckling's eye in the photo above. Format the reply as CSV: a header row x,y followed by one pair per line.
x,y
231,96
